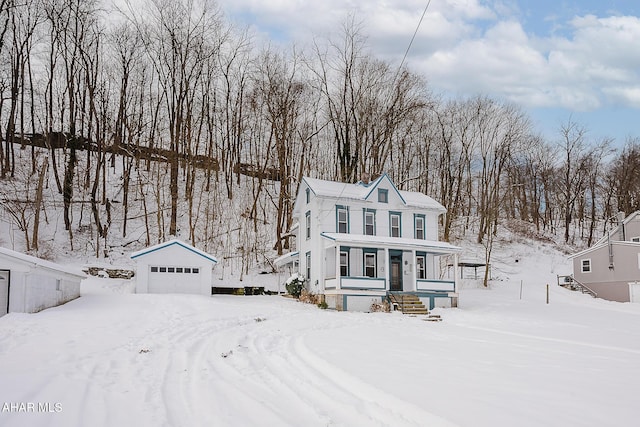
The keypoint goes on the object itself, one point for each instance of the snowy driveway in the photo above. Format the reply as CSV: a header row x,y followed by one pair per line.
x,y
169,360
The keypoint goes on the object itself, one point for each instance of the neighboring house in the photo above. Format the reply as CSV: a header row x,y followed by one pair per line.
x,y
173,267
358,243
611,268
29,284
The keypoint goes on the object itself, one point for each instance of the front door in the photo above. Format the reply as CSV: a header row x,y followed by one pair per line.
x,y
396,272
4,292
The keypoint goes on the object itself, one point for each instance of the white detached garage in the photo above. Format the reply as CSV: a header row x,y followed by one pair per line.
x,y
29,284
173,267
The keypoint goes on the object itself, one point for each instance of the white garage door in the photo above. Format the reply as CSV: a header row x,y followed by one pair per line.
x,y
4,292
174,280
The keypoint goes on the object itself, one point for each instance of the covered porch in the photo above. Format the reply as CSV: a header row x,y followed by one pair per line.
x,y
380,265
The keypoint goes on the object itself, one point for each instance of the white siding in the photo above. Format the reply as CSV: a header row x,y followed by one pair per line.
x,y
361,303
4,292
33,289
173,256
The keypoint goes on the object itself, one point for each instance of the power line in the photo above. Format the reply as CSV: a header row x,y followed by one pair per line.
x,y
414,35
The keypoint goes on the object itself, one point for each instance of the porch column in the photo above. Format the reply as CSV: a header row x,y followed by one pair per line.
x,y
415,270
455,272
337,266
387,269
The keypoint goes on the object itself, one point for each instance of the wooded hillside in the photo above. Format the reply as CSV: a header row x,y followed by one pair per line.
x,y
132,125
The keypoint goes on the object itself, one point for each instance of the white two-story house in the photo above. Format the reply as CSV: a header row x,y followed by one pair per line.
x,y
357,243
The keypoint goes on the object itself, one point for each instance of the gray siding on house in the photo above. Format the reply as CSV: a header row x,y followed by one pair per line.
x,y
611,284
632,229
612,291
627,230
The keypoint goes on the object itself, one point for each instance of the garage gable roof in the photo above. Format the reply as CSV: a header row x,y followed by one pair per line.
x,y
177,242
35,262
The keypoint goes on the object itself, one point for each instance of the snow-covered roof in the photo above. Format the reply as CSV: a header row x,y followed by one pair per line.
x,y
420,200
602,244
38,262
393,242
177,242
286,258
615,230
360,191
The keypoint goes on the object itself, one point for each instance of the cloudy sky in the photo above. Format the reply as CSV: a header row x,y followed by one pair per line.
x,y
558,59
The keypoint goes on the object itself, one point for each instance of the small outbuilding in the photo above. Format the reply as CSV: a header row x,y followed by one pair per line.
x,y
29,284
173,267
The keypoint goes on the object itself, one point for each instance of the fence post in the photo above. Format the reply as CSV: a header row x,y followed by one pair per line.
x,y
520,289
547,293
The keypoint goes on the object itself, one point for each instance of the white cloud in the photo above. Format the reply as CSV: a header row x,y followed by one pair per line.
x,y
467,46
596,65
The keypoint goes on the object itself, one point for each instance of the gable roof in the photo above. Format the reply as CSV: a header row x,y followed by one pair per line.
x,y
361,191
615,230
38,262
374,184
175,242
634,245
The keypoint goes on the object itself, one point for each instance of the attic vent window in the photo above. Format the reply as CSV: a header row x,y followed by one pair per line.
x,y
383,195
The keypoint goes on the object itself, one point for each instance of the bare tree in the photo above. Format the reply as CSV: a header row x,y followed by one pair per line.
x,y
625,175
23,19
282,94
177,37
455,140
573,147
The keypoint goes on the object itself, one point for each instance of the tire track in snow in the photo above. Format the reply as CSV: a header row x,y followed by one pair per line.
x,y
185,399
311,390
550,339
382,408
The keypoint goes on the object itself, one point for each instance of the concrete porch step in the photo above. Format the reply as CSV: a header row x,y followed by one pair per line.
x,y
408,304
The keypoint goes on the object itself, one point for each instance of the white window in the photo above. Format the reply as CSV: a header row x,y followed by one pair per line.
x,y
369,223
308,224
419,227
344,263
370,264
586,265
308,260
383,195
343,220
394,219
420,271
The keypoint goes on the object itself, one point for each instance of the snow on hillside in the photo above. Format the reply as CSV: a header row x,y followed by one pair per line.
x,y
111,358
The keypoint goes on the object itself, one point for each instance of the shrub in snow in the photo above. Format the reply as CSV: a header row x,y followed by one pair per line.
x,y
309,297
383,307
294,285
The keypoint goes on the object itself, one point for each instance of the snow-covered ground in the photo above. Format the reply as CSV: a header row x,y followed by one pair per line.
x,y
112,358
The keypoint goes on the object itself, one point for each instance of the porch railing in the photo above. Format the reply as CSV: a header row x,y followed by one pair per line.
x,y
570,282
